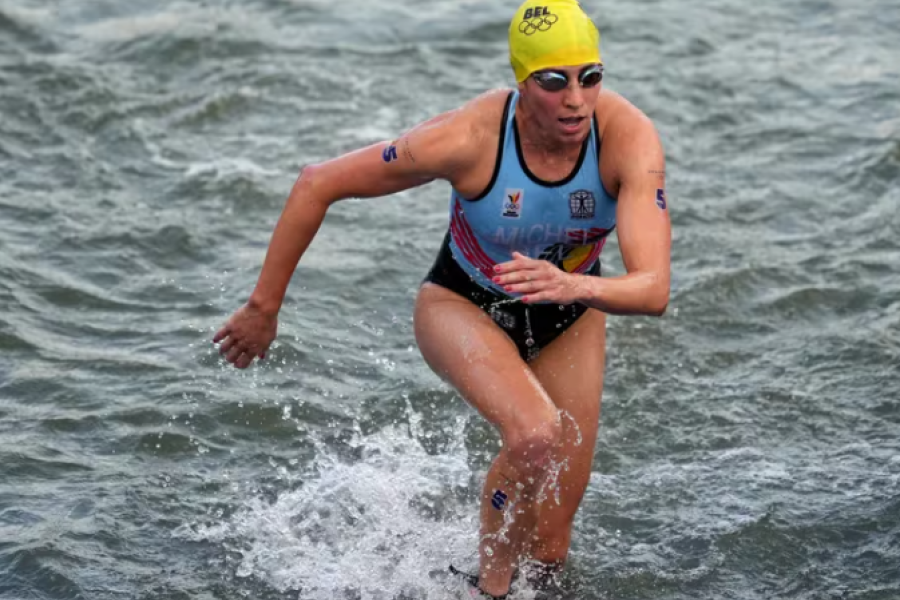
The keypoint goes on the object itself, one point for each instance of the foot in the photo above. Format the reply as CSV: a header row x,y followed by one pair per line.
x,y
473,581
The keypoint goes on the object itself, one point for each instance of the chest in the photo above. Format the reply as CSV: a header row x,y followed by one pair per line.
x,y
521,214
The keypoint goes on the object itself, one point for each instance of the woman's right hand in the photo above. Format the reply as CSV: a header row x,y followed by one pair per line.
x,y
246,335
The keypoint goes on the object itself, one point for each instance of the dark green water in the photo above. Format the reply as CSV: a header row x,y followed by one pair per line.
x,y
750,439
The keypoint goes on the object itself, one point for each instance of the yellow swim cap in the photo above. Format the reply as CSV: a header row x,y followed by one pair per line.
x,y
551,33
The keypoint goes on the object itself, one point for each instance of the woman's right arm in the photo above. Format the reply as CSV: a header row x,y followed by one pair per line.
x,y
437,149
377,170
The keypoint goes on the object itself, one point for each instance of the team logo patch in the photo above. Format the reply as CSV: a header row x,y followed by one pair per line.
x,y
581,204
512,203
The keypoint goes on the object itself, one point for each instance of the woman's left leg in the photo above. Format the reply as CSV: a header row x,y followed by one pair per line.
x,y
571,370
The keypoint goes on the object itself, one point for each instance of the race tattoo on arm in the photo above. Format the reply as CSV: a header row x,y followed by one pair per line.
x,y
661,201
660,174
406,151
390,153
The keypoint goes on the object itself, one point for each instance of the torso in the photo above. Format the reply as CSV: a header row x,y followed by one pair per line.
x,y
515,199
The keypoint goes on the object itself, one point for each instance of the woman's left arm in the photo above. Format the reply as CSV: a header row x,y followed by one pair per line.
x,y
643,229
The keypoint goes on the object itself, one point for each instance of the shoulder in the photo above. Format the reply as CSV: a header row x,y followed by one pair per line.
x,y
487,109
624,126
630,140
477,120
457,141
449,146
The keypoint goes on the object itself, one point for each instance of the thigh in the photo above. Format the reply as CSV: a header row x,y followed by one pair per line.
x,y
571,370
464,346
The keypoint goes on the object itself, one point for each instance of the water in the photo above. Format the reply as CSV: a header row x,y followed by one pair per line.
x,y
749,439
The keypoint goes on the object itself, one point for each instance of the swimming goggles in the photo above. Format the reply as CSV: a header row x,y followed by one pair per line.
x,y
555,81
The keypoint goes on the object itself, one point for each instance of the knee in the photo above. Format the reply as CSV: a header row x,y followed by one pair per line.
x,y
529,448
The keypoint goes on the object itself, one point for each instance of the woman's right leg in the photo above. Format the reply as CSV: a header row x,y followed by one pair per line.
x,y
466,348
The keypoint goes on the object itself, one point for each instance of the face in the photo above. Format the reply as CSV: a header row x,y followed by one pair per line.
x,y
565,98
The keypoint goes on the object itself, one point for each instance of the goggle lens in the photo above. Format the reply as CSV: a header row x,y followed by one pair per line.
x,y
555,81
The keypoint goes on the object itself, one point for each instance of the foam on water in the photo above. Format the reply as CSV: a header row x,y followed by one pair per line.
x,y
387,522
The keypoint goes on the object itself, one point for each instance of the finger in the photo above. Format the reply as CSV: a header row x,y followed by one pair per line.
x,y
540,274
526,262
227,344
542,296
519,264
520,276
520,283
526,287
234,354
221,333
243,361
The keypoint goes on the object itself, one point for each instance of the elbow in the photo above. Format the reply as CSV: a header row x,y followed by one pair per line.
x,y
658,309
658,301
308,177
309,186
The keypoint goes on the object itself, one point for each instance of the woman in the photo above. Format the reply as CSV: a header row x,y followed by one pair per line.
x,y
513,312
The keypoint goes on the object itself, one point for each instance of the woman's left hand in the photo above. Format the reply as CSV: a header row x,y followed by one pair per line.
x,y
538,281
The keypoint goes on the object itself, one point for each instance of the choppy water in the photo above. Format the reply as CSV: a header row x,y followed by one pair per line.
x,y
749,441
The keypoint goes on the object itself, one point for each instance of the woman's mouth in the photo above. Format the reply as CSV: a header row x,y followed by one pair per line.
x,y
571,124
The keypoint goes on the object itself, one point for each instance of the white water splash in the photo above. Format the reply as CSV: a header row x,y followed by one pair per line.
x,y
372,529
